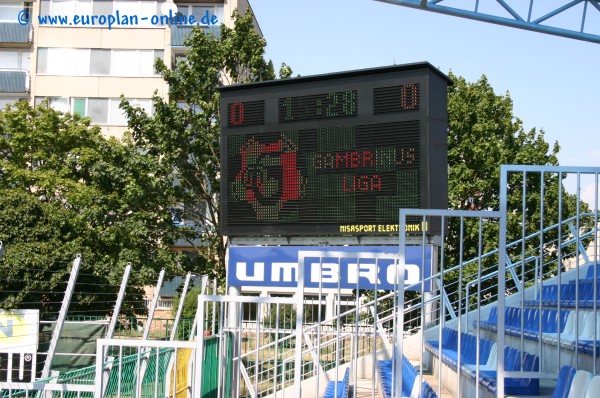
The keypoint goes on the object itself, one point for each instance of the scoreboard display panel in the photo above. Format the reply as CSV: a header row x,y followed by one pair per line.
x,y
335,154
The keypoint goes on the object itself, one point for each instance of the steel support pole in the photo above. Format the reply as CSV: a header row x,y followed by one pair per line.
x,y
61,316
186,285
161,277
502,278
113,321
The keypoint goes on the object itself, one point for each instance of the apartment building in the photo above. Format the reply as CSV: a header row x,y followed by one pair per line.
x,y
64,50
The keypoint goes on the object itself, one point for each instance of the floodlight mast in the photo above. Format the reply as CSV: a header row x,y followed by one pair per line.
x,y
507,16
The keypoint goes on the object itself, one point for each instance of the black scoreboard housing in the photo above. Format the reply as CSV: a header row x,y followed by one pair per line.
x,y
334,154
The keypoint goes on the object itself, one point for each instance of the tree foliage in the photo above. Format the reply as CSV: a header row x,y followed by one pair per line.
x,y
183,133
64,190
484,134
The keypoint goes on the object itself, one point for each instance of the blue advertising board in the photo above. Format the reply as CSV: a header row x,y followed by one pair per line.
x,y
373,267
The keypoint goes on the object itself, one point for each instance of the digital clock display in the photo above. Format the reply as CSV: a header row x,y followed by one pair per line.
x,y
336,104
336,154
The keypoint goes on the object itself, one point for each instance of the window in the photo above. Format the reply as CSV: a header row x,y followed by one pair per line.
x,y
102,7
149,8
44,8
100,62
130,8
84,7
9,59
145,104
199,12
117,116
311,308
63,7
179,58
14,59
9,11
98,110
60,104
42,60
250,310
346,304
52,61
127,7
125,63
84,62
79,62
158,54
147,60
79,106
73,7
9,101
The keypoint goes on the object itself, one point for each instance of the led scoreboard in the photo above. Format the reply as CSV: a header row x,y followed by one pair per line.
x,y
335,154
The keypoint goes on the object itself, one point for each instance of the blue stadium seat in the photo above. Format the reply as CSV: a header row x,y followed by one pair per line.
x,y
589,339
568,333
563,384
589,274
592,297
567,292
541,294
551,321
412,384
515,386
342,387
514,359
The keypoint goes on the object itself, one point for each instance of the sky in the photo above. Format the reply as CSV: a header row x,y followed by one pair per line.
x,y
553,81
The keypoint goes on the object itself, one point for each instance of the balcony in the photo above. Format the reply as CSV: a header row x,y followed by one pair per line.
x,y
180,33
14,81
15,34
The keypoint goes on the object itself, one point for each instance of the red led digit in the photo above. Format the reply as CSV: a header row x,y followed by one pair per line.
x,y
409,99
236,113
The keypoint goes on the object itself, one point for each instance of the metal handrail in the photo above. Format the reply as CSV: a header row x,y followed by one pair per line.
x,y
441,292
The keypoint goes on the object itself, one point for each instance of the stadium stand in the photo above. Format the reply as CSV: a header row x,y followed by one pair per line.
x,y
466,363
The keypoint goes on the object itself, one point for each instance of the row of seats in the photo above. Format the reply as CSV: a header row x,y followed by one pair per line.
x,y
570,297
514,360
552,321
575,330
342,387
468,348
413,386
573,383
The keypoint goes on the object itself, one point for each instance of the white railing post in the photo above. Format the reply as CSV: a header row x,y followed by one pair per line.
x,y
61,316
180,307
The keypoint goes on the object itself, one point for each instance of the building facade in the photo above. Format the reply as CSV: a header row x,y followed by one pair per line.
x,y
83,55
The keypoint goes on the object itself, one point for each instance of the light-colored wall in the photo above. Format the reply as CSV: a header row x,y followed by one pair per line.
x,y
157,38
114,131
98,86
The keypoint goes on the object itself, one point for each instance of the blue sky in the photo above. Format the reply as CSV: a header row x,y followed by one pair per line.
x,y
553,81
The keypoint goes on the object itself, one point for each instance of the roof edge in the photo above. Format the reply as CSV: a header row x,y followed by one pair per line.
x,y
339,75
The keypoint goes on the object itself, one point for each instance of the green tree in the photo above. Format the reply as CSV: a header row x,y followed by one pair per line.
x,y
484,134
183,133
64,189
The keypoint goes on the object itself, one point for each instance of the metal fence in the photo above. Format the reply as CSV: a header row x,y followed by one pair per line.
x,y
491,287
